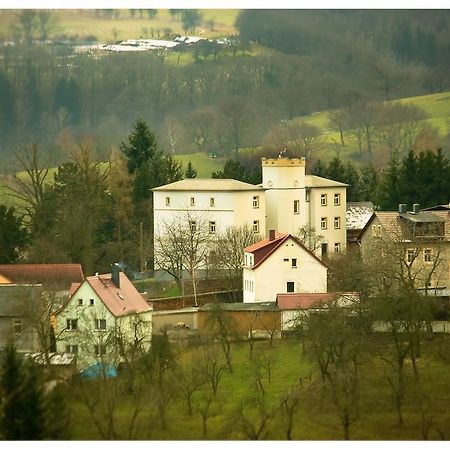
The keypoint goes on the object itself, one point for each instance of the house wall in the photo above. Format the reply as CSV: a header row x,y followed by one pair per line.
x,y
26,341
271,277
331,235
440,250
167,320
86,337
136,326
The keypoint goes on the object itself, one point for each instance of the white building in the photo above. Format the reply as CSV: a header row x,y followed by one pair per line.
x,y
295,200
219,203
104,314
281,264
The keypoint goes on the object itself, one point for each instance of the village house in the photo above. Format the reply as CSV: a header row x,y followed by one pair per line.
x,y
28,293
357,215
281,264
104,316
419,238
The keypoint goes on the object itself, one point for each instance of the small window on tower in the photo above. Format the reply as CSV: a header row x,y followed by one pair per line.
x,y
192,201
212,202
256,201
167,201
296,206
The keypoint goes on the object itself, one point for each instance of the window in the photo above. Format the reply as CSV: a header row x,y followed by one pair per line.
x,y
323,223
72,324
100,324
427,255
307,194
323,199
99,350
256,201
212,227
296,206
337,199
17,326
337,222
167,201
294,263
192,201
91,302
324,250
72,349
212,202
410,255
193,225
337,248
256,226
376,230
286,259
80,302
290,286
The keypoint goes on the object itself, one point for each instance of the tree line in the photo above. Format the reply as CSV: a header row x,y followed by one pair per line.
x,y
225,99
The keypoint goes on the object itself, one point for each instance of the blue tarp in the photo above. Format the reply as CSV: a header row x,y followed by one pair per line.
x,y
99,370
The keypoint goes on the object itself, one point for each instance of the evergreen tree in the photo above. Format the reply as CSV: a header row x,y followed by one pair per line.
x,y
190,171
388,196
233,169
319,169
336,170
351,177
368,183
13,236
27,411
141,146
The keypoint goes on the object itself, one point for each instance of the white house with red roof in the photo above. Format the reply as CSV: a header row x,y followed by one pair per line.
x,y
104,314
281,264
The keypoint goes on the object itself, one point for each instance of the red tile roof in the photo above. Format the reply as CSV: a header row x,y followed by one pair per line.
x,y
120,301
303,300
263,249
61,274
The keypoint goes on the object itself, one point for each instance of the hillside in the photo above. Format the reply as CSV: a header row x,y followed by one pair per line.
x,y
83,23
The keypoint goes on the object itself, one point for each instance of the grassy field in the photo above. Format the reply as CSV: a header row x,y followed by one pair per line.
x,y
83,23
316,417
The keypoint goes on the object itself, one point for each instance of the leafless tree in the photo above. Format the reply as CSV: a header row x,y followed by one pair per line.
x,y
212,367
189,380
201,124
229,253
298,137
183,244
308,237
254,417
290,403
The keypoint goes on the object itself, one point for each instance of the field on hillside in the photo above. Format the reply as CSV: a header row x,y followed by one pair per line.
x,y
316,417
84,23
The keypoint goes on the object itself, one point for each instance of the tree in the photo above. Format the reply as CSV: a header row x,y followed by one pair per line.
x,y
28,411
228,254
190,19
299,138
236,122
201,125
141,146
308,237
183,244
190,171
236,170
13,235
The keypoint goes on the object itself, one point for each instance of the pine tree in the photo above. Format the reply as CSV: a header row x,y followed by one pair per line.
x,y
141,146
27,411
190,171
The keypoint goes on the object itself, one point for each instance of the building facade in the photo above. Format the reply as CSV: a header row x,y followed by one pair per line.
x,y
104,315
295,200
281,264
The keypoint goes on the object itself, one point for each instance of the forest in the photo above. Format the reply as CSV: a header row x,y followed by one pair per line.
x,y
279,65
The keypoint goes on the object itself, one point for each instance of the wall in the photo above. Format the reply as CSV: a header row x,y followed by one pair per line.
x,y
168,320
271,277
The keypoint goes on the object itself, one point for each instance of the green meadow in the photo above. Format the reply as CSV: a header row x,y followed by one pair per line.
x,y
315,418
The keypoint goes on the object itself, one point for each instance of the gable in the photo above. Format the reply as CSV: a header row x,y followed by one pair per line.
x,y
289,241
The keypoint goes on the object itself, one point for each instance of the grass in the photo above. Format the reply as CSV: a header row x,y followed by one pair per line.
x,y
203,164
83,23
316,418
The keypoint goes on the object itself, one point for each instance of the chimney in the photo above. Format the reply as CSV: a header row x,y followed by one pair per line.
x,y
402,208
415,208
115,274
271,235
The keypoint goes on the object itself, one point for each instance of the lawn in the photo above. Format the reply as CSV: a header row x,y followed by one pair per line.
x,y
316,417
84,23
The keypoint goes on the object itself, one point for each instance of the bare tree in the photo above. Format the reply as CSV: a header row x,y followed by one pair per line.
x,y
338,119
189,380
290,403
229,253
212,367
201,124
253,418
31,178
183,244
308,237
298,137
237,121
